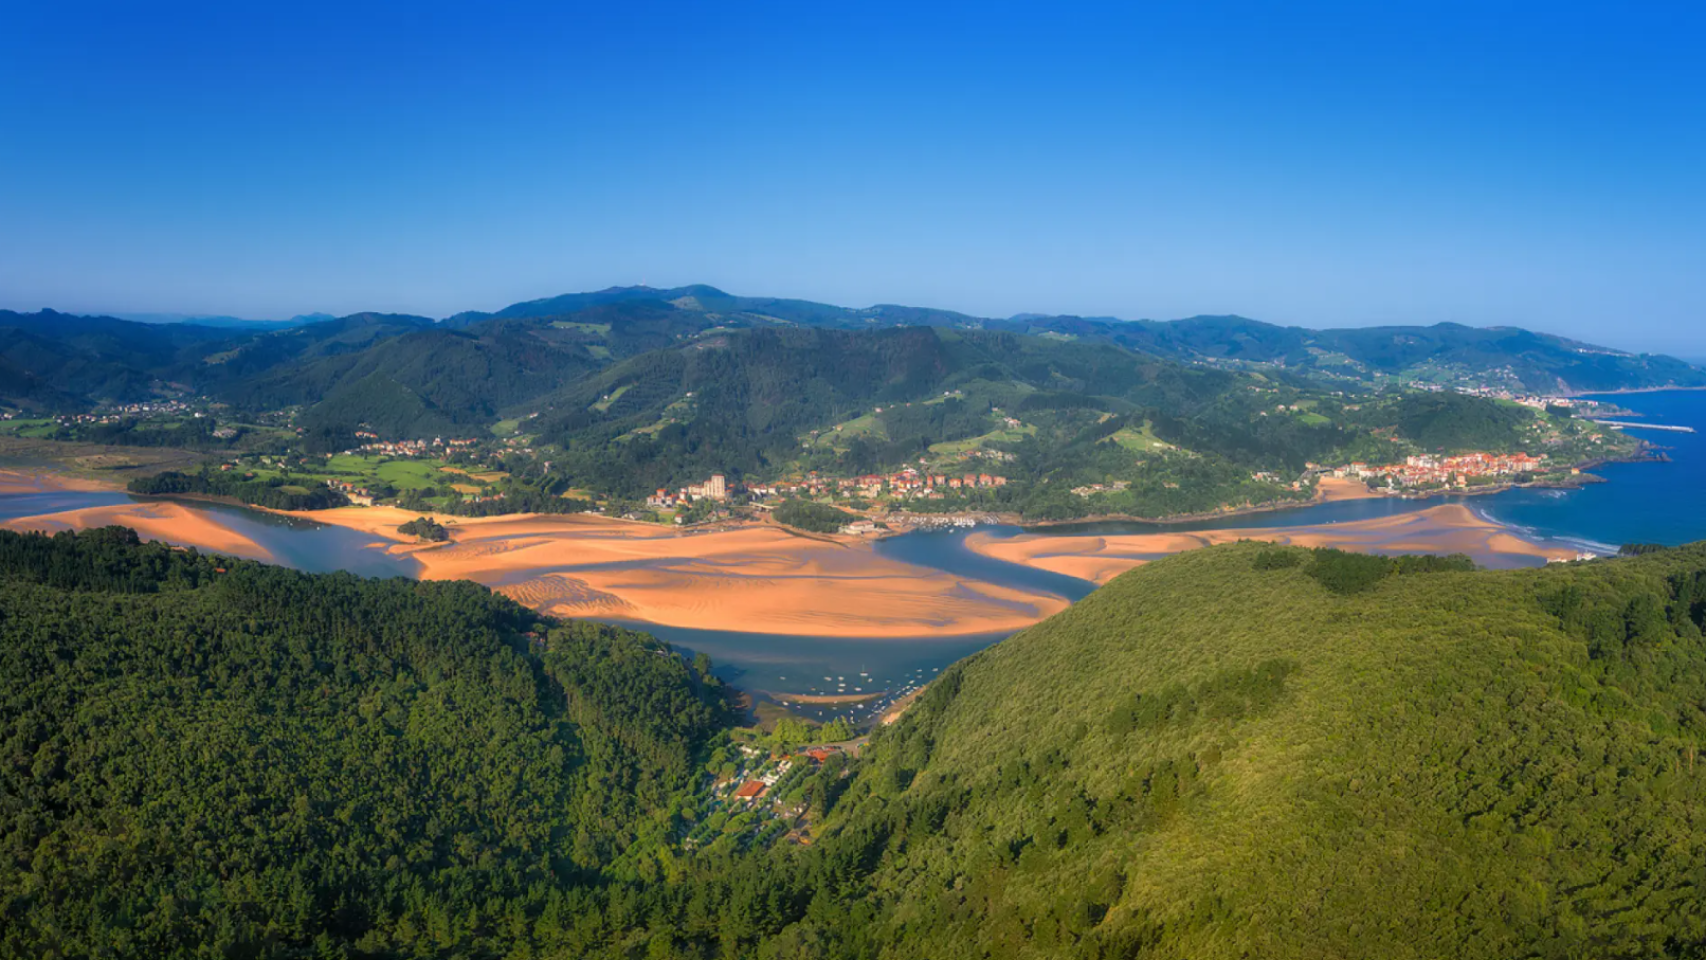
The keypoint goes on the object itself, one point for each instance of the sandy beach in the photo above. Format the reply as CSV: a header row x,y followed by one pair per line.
x,y
1450,528
170,522
1334,489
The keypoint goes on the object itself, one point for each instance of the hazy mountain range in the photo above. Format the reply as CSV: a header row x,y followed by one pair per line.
x,y
421,374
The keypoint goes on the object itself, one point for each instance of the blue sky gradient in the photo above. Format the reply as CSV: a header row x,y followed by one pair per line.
x,y
1347,164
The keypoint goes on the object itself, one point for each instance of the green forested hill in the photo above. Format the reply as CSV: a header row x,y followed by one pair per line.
x,y
208,757
56,361
1508,357
626,393
422,383
1448,352
1217,756
1244,751
740,401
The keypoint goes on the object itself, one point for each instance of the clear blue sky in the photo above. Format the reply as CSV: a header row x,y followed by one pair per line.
x,y
1485,162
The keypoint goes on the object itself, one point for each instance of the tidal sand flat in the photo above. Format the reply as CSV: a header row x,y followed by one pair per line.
x,y
755,578
1450,528
24,482
169,522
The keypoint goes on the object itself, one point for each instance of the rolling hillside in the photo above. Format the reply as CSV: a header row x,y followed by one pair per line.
x,y
1350,758
1242,751
211,757
59,362
1446,352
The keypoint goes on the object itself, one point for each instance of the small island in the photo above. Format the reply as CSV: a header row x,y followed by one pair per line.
x,y
425,528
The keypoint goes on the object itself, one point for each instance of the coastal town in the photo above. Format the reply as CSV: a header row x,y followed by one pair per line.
x,y
1460,471
906,483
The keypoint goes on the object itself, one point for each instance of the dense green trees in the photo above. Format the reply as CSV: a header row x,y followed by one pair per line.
x,y
277,493
817,517
1398,757
1452,421
195,433
424,528
208,757
503,498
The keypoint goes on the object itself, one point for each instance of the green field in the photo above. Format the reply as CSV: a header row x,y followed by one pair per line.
x,y
34,429
400,473
836,437
1003,435
1139,440
611,398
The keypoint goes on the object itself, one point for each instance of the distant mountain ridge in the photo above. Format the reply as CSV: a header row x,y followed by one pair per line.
x,y
1443,352
221,320
416,375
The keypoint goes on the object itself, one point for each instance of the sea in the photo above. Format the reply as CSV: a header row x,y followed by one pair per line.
x,y
1649,502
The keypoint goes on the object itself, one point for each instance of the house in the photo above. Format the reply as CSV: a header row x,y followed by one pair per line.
x,y
751,790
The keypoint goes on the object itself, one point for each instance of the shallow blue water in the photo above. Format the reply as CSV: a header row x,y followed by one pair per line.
x,y
54,501
1642,502
776,663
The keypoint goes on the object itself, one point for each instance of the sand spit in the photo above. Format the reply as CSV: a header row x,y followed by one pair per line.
x,y
1451,528
170,522
828,699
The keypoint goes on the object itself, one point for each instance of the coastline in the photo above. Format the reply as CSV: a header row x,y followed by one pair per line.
x,y
757,576
168,522
1649,453
1629,390
1443,529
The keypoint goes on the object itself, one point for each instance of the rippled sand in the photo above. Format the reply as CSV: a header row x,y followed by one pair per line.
x,y
1452,528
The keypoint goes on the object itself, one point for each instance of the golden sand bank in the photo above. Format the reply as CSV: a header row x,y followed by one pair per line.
x,y
1452,528
170,522
761,578
1332,489
757,578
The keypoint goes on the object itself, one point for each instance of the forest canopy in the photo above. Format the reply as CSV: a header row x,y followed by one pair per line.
x,y
212,757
